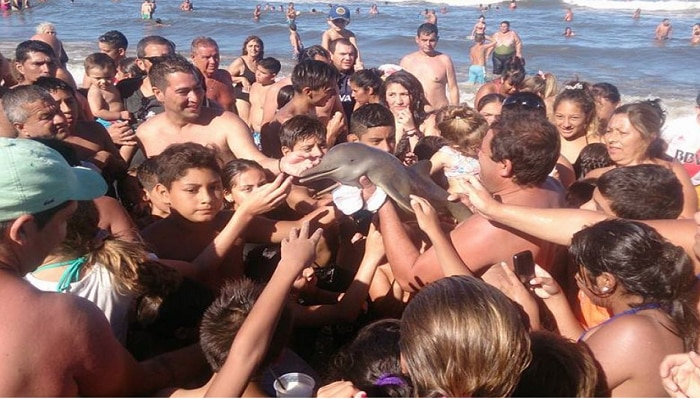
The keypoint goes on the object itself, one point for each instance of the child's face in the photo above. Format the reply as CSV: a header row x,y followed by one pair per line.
x,y
264,76
312,148
101,77
338,24
158,205
198,196
244,184
321,96
381,137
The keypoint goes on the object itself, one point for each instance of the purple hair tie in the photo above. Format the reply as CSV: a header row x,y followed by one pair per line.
x,y
389,379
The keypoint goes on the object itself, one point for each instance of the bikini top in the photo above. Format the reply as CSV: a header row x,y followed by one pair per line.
x,y
70,275
634,310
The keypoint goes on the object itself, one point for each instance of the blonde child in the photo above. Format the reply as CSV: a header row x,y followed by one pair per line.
x,y
464,128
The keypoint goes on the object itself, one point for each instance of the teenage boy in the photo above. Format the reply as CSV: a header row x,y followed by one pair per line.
x,y
314,84
373,125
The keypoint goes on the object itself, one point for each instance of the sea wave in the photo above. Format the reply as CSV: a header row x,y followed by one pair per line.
x,y
648,5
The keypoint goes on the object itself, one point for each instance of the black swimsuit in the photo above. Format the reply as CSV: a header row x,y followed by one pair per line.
x,y
238,89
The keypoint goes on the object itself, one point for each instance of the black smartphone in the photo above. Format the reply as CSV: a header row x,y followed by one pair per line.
x,y
524,265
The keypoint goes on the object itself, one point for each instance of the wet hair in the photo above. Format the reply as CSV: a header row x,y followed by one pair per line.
x,y
284,95
310,53
427,29
15,99
233,168
513,72
606,91
427,146
530,142
370,78
579,93
54,84
648,118
488,99
153,40
301,127
169,65
271,64
372,361
415,91
314,75
178,158
462,126
333,44
225,316
101,61
147,173
115,39
592,156
370,116
561,367
253,38
645,265
128,66
203,41
132,268
659,189
461,337
32,46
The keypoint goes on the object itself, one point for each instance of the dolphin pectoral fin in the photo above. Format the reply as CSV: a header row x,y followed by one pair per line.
x,y
459,211
398,196
422,168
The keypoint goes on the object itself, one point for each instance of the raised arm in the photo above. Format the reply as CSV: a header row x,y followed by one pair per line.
x,y
252,341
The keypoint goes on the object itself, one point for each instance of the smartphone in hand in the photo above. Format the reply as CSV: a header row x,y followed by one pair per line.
x,y
524,265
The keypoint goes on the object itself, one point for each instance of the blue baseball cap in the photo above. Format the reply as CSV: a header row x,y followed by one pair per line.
x,y
36,178
339,12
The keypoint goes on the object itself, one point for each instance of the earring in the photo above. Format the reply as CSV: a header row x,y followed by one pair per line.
x,y
605,289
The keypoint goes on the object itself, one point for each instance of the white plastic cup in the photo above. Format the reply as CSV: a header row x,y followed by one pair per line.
x,y
297,384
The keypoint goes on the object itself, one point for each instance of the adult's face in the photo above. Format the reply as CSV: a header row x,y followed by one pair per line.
x,y
504,28
344,57
183,95
113,52
427,42
45,121
37,65
151,51
206,58
253,48
397,98
626,145
68,105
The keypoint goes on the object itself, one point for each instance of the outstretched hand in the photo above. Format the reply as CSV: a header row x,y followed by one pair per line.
x,y
473,194
267,197
428,219
299,248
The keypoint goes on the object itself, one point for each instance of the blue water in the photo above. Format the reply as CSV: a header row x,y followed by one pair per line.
x,y
609,45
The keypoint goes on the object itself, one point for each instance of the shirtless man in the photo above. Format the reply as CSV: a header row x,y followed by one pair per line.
x,y
61,70
695,36
205,56
431,17
186,119
516,179
146,10
33,219
569,16
433,69
664,30
508,43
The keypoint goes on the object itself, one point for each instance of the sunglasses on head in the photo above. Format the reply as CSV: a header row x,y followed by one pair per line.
x,y
527,102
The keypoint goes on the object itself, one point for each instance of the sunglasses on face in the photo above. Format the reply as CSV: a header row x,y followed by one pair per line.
x,y
155,59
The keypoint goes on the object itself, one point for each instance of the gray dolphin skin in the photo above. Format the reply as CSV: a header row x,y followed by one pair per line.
x,y
347,162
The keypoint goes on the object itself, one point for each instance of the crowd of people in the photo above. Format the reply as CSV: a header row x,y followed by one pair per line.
x,y
160,222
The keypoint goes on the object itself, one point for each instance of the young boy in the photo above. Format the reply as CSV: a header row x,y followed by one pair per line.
x,y
306,134
103,97
295,40
373,125
265,74
157,209
314,84
477,55
338,19
189,182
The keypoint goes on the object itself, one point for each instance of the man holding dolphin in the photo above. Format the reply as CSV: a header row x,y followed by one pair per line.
x,y
516,157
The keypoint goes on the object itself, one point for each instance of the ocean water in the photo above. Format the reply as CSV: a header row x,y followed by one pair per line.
x,y
609,45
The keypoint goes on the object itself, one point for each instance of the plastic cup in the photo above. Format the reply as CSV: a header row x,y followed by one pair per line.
x,y
297,384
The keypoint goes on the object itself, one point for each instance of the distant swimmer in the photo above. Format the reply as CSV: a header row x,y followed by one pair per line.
x,y
569,16
186,6
146,10
568,32
695,37
664,30
512,5
373,9
479,27
256,12
637,13
430,17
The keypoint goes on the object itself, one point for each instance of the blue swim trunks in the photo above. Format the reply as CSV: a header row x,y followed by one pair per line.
x,y
477,74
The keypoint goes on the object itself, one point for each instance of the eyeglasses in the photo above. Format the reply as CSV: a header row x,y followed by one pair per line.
x,y
155,59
